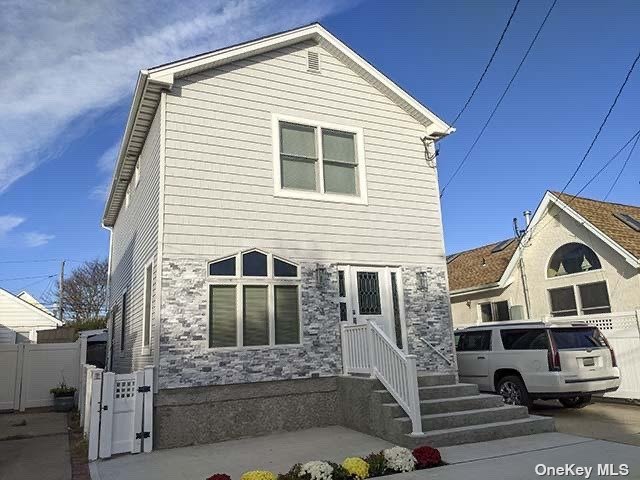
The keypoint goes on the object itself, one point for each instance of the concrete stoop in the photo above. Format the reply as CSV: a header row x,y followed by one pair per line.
x,y
452,414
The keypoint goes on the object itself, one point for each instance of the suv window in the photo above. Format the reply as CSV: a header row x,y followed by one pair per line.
x,y
474,341
578,338
525,339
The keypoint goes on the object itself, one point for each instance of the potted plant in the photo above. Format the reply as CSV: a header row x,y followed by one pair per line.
x,y
63,397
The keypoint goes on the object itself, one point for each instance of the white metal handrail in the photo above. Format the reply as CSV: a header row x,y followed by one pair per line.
x,y
367,349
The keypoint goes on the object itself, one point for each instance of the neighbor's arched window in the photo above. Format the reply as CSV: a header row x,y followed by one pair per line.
x,y
572,258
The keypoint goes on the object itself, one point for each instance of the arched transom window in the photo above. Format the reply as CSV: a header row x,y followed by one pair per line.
x,y
572,258
253,301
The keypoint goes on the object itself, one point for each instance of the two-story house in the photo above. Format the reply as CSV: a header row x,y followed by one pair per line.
x,y
266,196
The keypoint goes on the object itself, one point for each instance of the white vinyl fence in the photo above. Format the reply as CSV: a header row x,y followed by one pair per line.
x,y
117,412
622,330
29,370
367,349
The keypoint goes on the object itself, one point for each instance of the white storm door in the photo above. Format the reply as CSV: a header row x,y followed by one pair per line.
x,y
371,298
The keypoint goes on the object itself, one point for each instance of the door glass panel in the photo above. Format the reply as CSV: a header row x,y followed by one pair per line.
x,y
396,309
369,293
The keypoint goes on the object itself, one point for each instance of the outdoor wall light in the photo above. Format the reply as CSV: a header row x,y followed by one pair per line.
x,y
322,275
421,278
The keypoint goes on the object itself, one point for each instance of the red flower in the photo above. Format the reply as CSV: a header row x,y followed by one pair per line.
x,y
427,457
219,476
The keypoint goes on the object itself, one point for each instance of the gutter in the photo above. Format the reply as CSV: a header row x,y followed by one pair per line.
x,y
478,289
141,84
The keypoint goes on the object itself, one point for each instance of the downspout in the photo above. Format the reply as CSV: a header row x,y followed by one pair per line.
x,y
109,316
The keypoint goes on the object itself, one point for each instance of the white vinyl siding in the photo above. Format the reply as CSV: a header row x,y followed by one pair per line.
x,y
17,315
219,188
134,245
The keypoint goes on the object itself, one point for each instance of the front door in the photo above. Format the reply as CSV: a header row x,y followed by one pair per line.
x,y
371,297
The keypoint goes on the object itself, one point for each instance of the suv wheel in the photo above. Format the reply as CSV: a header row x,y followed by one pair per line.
x,y
579,401
513,391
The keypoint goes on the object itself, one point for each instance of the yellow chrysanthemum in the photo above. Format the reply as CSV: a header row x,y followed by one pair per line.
x,y
258,475
356,466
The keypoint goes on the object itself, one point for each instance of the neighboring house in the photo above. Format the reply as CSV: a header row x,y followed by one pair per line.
x,y
21,317
27,297
579,257
265,195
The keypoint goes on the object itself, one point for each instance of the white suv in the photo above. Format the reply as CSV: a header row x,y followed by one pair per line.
x,y
523,361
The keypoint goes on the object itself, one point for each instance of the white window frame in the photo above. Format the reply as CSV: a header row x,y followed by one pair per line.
x,y
239,281
578,298
492,302
146,349
360,198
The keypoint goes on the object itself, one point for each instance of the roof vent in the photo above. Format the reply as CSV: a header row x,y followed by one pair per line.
x,y
501,246
628,220
313,61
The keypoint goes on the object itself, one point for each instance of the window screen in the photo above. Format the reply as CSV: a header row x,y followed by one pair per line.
x,y
222,316
256,316
594,298
298,156
563,302
286,314
339,160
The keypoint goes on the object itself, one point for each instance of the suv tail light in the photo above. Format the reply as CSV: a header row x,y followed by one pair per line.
x,y
553,355
614,362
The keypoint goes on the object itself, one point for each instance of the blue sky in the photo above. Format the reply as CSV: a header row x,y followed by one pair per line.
x,y
70,70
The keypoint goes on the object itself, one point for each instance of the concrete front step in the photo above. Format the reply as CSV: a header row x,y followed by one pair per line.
x,y
436,391
440,421
444,405
481,433
431,379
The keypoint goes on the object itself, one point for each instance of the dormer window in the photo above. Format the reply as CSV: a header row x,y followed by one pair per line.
x,y
253,301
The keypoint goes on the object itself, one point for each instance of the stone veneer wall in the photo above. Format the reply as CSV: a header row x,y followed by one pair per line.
x,y
187,361
428,315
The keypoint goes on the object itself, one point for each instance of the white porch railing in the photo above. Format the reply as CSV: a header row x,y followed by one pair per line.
x,y
366,349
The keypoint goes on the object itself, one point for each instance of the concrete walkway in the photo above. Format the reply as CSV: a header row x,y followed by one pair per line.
x,y
34,446
513,458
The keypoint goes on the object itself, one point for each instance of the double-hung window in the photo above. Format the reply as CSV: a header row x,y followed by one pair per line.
x,y
319,161
494,311
253,301
584,299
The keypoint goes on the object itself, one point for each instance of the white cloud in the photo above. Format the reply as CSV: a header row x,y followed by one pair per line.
x,y
64,61
8,223
35,239
108,159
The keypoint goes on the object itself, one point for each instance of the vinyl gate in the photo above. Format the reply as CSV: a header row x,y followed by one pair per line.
x,y
623,333
118,416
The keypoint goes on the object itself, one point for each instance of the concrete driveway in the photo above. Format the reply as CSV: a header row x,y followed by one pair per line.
x,y
34,446
604,421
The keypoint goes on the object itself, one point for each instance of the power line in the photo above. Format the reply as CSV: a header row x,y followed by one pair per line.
x,y
624,166
504,93
26,278
606,117
486,68
535,230
36,282
42,261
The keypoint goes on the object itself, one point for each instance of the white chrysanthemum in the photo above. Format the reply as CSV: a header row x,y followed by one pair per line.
x,y
399,459
317,470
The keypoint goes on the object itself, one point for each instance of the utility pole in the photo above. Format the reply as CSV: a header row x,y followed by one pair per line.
x,y
523,275
61,291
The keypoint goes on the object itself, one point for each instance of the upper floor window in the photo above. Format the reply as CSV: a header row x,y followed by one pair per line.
x,y
319,161
572,258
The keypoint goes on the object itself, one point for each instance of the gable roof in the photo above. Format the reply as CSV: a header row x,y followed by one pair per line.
x,y
479,267
27,305
153,81
602,216
466,271
27,297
